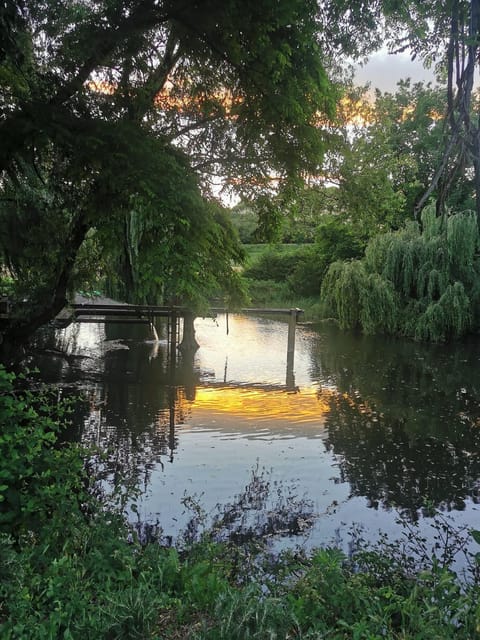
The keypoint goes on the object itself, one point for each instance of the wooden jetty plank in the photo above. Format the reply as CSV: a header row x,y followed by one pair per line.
x,y
165,310
128,313
113,319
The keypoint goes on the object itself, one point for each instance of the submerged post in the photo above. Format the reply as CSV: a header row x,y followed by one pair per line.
x,y
292,323
188,342
173,337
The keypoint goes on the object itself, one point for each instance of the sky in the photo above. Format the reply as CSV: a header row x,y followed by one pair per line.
x,y
384,70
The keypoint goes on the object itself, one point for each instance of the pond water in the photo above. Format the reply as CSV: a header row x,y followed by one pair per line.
x,y
367,428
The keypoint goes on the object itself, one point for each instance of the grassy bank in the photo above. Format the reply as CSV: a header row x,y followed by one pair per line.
x,y
255,251
71,566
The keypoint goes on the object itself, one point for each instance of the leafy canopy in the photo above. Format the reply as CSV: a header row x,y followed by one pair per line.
x,y
116,116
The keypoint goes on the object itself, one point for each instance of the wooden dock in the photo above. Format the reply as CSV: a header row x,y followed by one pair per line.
x,y
107,311
91,312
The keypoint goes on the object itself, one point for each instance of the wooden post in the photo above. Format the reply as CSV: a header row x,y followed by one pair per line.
x,y
292,323
173,338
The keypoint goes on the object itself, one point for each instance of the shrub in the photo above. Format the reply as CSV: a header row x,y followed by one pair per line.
x,y
41,483
308,272
267,292
272,265
421,284
304,267
338,240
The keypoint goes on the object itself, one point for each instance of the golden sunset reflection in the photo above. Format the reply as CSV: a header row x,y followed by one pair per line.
x,y
243,408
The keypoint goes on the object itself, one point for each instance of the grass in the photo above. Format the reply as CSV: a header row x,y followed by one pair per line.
x,y
255,251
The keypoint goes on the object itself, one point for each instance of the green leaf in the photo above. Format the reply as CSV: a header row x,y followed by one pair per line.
x,y
475,535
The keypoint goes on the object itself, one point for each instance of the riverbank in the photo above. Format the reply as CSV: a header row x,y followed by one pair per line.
x,y
72,567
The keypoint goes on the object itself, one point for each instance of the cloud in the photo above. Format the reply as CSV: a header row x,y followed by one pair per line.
x,y
384,70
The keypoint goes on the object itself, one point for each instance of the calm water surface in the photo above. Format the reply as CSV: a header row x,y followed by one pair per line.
x,y
367,428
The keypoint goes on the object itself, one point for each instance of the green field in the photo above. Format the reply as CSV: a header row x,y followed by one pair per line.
x,y
254,251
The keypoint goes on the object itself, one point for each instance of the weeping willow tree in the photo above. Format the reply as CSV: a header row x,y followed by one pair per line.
x,y
186,259
421,282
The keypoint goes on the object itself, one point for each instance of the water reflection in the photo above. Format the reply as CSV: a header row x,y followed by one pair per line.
x,y
145,402
366,424
405,421
384,461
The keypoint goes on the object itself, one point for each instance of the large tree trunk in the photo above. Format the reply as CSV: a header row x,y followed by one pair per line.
x,y
476,166
189,343
17,330
463,144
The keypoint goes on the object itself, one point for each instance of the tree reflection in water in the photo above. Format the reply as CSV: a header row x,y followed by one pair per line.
x,y
134,413
402,419
405,421
392,467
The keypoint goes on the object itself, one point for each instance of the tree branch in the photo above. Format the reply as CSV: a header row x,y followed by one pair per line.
x,y
104,42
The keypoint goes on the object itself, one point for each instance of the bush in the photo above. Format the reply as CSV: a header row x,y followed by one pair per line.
x,y
304,267
308,272
338,240
421,283
267,292
301,269
273,265
42,485
66,567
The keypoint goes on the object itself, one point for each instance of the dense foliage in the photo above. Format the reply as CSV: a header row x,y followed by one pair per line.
x,y
390,150
421,283
288,274
389,153
116,118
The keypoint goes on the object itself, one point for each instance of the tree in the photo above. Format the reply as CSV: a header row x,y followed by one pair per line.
x,y
385,155
180,261
109,109
390,160
245,221
420,283
448,34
